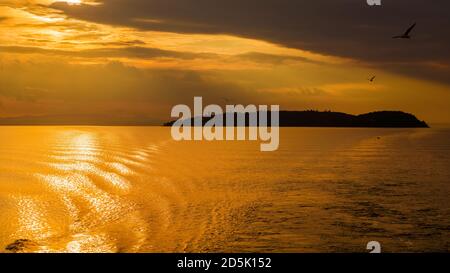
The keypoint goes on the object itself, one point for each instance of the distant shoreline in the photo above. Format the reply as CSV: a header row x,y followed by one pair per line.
x,y
317,119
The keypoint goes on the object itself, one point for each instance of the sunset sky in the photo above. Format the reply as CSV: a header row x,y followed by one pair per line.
x,y
134,59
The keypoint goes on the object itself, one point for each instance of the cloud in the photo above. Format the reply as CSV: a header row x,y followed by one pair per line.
x,y
298,91
146,53
346,28
352,88
113,90
272,58
122,52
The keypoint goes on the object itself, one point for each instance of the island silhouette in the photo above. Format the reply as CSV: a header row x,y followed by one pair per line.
x,y
312,118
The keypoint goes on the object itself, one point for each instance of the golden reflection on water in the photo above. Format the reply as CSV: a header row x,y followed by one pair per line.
x,y
133,189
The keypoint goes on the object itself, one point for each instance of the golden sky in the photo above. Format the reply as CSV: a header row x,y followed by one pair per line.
x,y
134,60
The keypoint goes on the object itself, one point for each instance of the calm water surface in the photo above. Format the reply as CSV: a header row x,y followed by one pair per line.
x,y
133,189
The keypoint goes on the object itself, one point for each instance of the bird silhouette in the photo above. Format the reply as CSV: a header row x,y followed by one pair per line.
x,y
372,79
406,35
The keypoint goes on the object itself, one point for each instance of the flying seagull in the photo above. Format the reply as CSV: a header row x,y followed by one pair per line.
x,y
372,79
406,34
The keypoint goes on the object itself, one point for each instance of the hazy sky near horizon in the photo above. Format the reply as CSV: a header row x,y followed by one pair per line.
x,y
136,59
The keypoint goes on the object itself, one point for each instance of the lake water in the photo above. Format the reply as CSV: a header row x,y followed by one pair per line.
x,y
133,189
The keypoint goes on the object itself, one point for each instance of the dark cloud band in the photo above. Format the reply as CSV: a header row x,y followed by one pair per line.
x,y
347,28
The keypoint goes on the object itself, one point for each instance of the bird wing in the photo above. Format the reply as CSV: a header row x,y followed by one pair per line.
x,y
410,29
